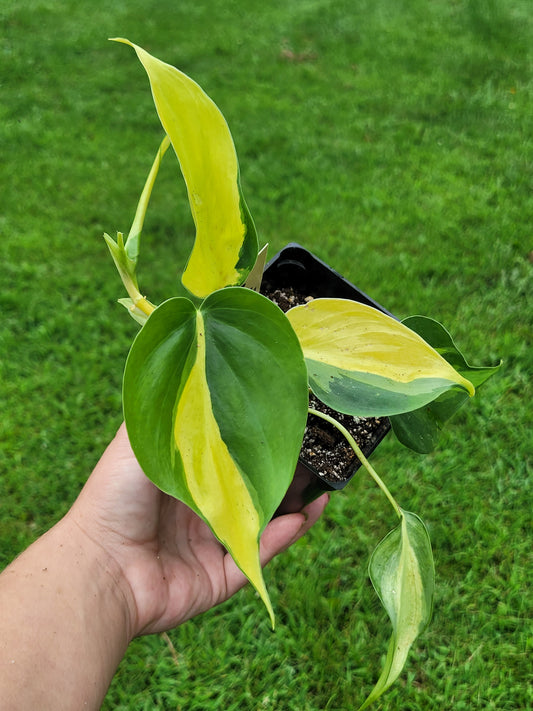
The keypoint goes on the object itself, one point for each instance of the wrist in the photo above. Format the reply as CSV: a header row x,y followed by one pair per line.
x,y
98,570
68,625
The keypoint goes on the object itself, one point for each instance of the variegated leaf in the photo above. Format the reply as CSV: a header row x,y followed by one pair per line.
x,y
403,574
365,363
225,248
203,389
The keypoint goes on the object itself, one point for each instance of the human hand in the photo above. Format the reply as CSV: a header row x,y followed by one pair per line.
x,y
170,566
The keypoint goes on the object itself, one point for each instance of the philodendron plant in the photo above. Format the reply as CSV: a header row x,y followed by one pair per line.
x,y
216,384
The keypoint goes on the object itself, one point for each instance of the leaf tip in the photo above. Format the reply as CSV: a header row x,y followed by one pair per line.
x,y
469,387
261,590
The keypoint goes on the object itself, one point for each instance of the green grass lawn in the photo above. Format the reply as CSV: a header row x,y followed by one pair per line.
x,y
395,140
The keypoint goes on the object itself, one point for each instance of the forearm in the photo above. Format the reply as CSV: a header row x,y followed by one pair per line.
x,y
126,560
64,624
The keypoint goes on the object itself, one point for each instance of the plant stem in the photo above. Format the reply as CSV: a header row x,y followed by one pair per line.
x,y
143,305
364,461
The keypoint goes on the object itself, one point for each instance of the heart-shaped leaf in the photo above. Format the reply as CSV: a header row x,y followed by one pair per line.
x,y
215,403
365,363
403,574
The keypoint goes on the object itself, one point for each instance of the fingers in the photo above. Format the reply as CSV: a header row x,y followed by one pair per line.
x,y
283,531
279,535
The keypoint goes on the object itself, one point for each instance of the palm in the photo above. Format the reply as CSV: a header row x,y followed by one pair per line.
x,y
172,563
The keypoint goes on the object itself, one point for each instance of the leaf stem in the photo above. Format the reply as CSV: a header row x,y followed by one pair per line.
x,y
364,461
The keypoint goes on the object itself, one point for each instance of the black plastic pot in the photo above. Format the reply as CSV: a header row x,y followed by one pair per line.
x,y
295,267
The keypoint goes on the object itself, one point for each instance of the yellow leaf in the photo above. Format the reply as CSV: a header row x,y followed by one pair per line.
x,y
204,147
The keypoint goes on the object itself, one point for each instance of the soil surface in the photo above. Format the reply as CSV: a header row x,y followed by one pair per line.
x,y
324,448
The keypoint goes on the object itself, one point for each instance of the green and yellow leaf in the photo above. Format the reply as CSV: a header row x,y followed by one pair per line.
x,y
202,389
365,363
225,248
403,574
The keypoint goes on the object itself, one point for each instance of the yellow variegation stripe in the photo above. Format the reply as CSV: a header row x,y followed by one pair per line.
x,y
354,337
204,146
214,481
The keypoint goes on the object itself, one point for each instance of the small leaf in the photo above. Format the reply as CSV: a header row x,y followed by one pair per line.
x,y
123,262
215,402
134,312
365,363
125,255
225,248
255,277
403,574
132,243
421,428
440,339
